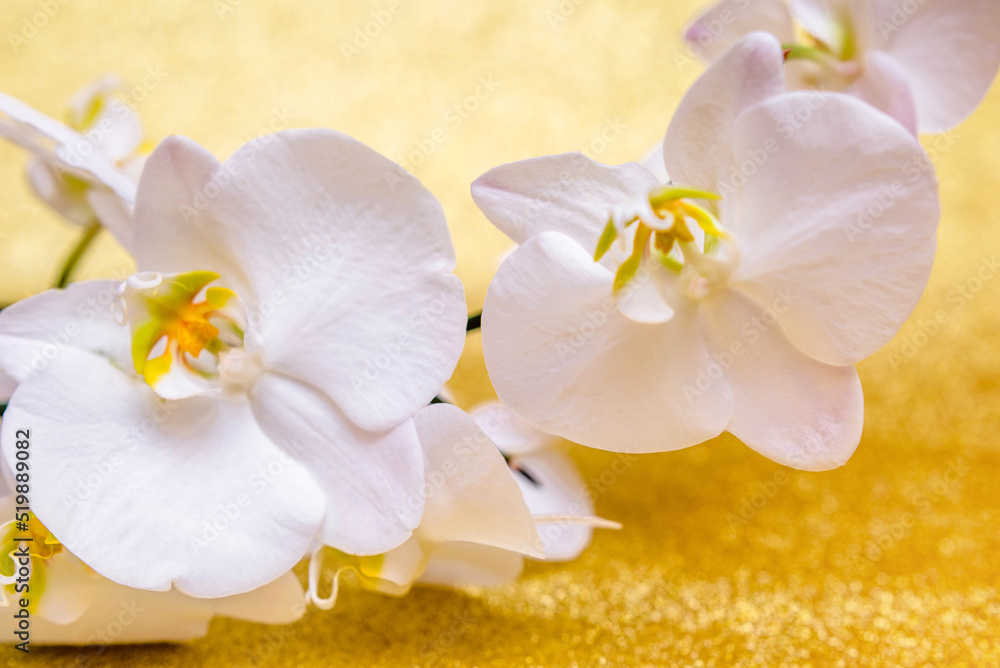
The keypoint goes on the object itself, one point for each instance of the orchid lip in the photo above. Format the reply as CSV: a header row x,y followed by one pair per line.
x,y
181,323
663,233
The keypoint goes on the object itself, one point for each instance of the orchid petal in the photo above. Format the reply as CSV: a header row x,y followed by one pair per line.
x,y
471,495
584,371
568,193
725,22
839,226
177,522
950,52
372,482
790,408
698,149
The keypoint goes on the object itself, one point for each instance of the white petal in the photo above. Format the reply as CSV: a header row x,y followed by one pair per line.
x,y
563,357
725,22
885,85
555,487
698,149
373,482
74,151
113,214
568,193
197,495
511,434
951,51
654,163
279,602
467,564
646,300
120,130
788,407
401,566
70,588
7,385
471,495
838,234
122,615
174,232
36,330
50,187
349,261
818,19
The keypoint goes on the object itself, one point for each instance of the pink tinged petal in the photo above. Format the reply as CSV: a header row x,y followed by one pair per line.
x,y
698,149
788,407
725,22
35,331
555,487
468,564
471,495
563,357
511,434
174,229
568,193
142,617
198,497
350,263
885,85
372,481
839,227
279,602
950,50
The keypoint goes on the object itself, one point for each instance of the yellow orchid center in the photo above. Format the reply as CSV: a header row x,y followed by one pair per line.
x,y
26,545
177,318
663,232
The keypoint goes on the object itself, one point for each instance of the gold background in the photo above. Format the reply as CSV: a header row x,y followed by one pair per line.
x,y
891,560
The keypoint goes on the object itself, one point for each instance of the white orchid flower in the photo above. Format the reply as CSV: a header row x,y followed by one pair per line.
x,y
795,243
553,488
294,308
927,63
87,170
475,525
70,604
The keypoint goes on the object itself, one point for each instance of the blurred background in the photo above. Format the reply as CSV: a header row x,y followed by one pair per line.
x,y
725,558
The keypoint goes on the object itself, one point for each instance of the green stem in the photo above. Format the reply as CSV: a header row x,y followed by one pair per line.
x,y
89,233
474,322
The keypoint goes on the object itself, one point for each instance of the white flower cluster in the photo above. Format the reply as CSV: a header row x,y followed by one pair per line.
x,y
267,388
